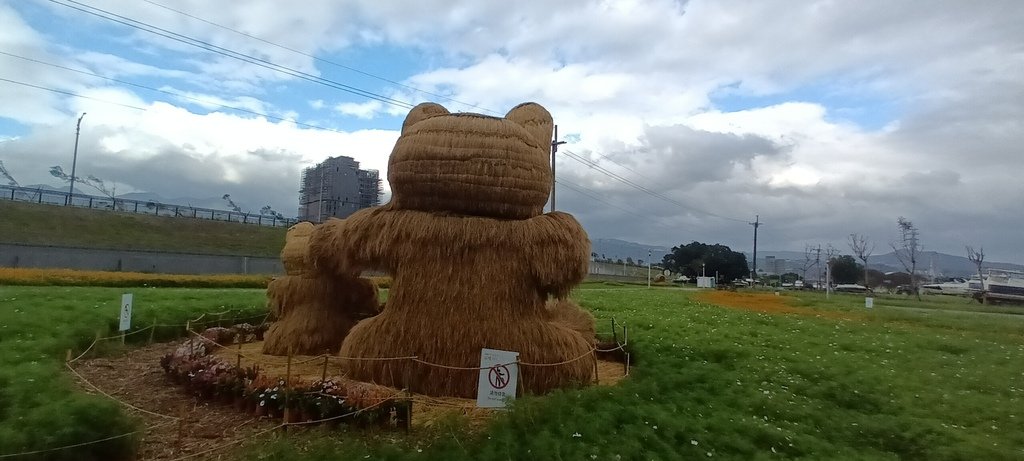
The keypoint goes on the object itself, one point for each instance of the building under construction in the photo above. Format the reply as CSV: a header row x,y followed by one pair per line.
x,y
337,188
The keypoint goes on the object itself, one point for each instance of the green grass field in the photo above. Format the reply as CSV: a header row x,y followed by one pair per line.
x,y
36,224
708,383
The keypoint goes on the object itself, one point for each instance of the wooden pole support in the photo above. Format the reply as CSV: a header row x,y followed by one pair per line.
x,y
323,372
615,334
152,332
238,361
627,363
597,379
67,357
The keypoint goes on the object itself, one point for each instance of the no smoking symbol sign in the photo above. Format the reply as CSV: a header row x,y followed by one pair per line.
x,y
498,376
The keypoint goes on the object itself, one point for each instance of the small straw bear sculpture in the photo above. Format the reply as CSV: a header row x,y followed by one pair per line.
x,y
313,312
475,263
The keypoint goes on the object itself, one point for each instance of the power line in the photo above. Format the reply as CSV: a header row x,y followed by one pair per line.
x,y
68,93
590,193
143,26
325,61
641,188
171,93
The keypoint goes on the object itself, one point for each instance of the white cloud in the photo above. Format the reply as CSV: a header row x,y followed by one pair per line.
x,y
636,82
366,110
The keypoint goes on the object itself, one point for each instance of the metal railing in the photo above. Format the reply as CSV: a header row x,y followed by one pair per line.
x,y
52,197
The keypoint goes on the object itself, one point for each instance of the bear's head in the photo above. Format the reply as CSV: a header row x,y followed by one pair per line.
x,y
473,164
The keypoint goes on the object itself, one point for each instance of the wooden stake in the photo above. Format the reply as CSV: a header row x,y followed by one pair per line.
x,y
287,390
152,332
627,363
615,334
519,379
323,372
238,362
597,379
67,357
94,352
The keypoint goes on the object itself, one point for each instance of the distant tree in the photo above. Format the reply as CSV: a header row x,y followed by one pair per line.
x,y
978,257
845,269
90,180
629,261
830,253
268,211
907,250
618,261
862,249
874,278
790,277
7,175
687,260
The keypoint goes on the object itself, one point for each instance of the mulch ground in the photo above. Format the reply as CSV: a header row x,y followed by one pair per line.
x,y
766,303
136,378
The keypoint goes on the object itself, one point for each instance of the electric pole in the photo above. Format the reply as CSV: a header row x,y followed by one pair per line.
x,y
554,148
757,223
74,161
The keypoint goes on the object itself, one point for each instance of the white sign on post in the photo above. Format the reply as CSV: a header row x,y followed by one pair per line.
x,y
126,312
499,374
869,302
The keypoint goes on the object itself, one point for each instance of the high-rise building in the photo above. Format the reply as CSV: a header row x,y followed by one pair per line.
x,y
337,188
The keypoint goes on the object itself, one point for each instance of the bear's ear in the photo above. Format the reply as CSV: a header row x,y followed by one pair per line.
x,y
536,119
422,112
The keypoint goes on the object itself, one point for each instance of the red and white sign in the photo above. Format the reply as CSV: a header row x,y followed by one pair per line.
x,y
499,373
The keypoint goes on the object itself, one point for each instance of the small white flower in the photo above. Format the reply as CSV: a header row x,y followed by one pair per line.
x,y
576,435
694,443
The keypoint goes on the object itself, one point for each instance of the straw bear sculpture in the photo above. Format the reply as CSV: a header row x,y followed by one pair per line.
x,y
313,312
475,263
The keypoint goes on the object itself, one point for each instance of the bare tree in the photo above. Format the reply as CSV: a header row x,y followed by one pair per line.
x,y
809,261
859,245
907,251
978,257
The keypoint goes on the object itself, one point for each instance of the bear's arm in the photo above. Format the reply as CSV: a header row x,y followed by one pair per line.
x,y
354,244
558,252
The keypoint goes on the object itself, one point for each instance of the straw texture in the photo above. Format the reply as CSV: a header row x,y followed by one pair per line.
x,y
296,249
473,164
474,263
313,312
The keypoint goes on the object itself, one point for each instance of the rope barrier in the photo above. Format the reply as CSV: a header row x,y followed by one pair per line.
x,y
235,442
379,403
590,352
101,391
65,447
84,352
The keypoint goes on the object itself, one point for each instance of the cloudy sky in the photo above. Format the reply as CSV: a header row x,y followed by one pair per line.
x,y
683,120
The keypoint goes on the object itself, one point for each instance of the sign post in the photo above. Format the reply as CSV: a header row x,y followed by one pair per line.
x,y
126,314
869,302
499,373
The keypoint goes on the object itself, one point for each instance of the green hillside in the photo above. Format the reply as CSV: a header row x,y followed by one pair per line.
x,y
36,224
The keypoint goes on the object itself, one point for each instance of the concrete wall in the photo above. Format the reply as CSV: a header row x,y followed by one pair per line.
x,y
34,256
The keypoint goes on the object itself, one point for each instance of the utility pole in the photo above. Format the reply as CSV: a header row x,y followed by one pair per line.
x,y
320,196
648,268
757,223
74,161
554,148
817,263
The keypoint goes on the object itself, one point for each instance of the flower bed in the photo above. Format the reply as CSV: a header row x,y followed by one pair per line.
x,y
295,400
